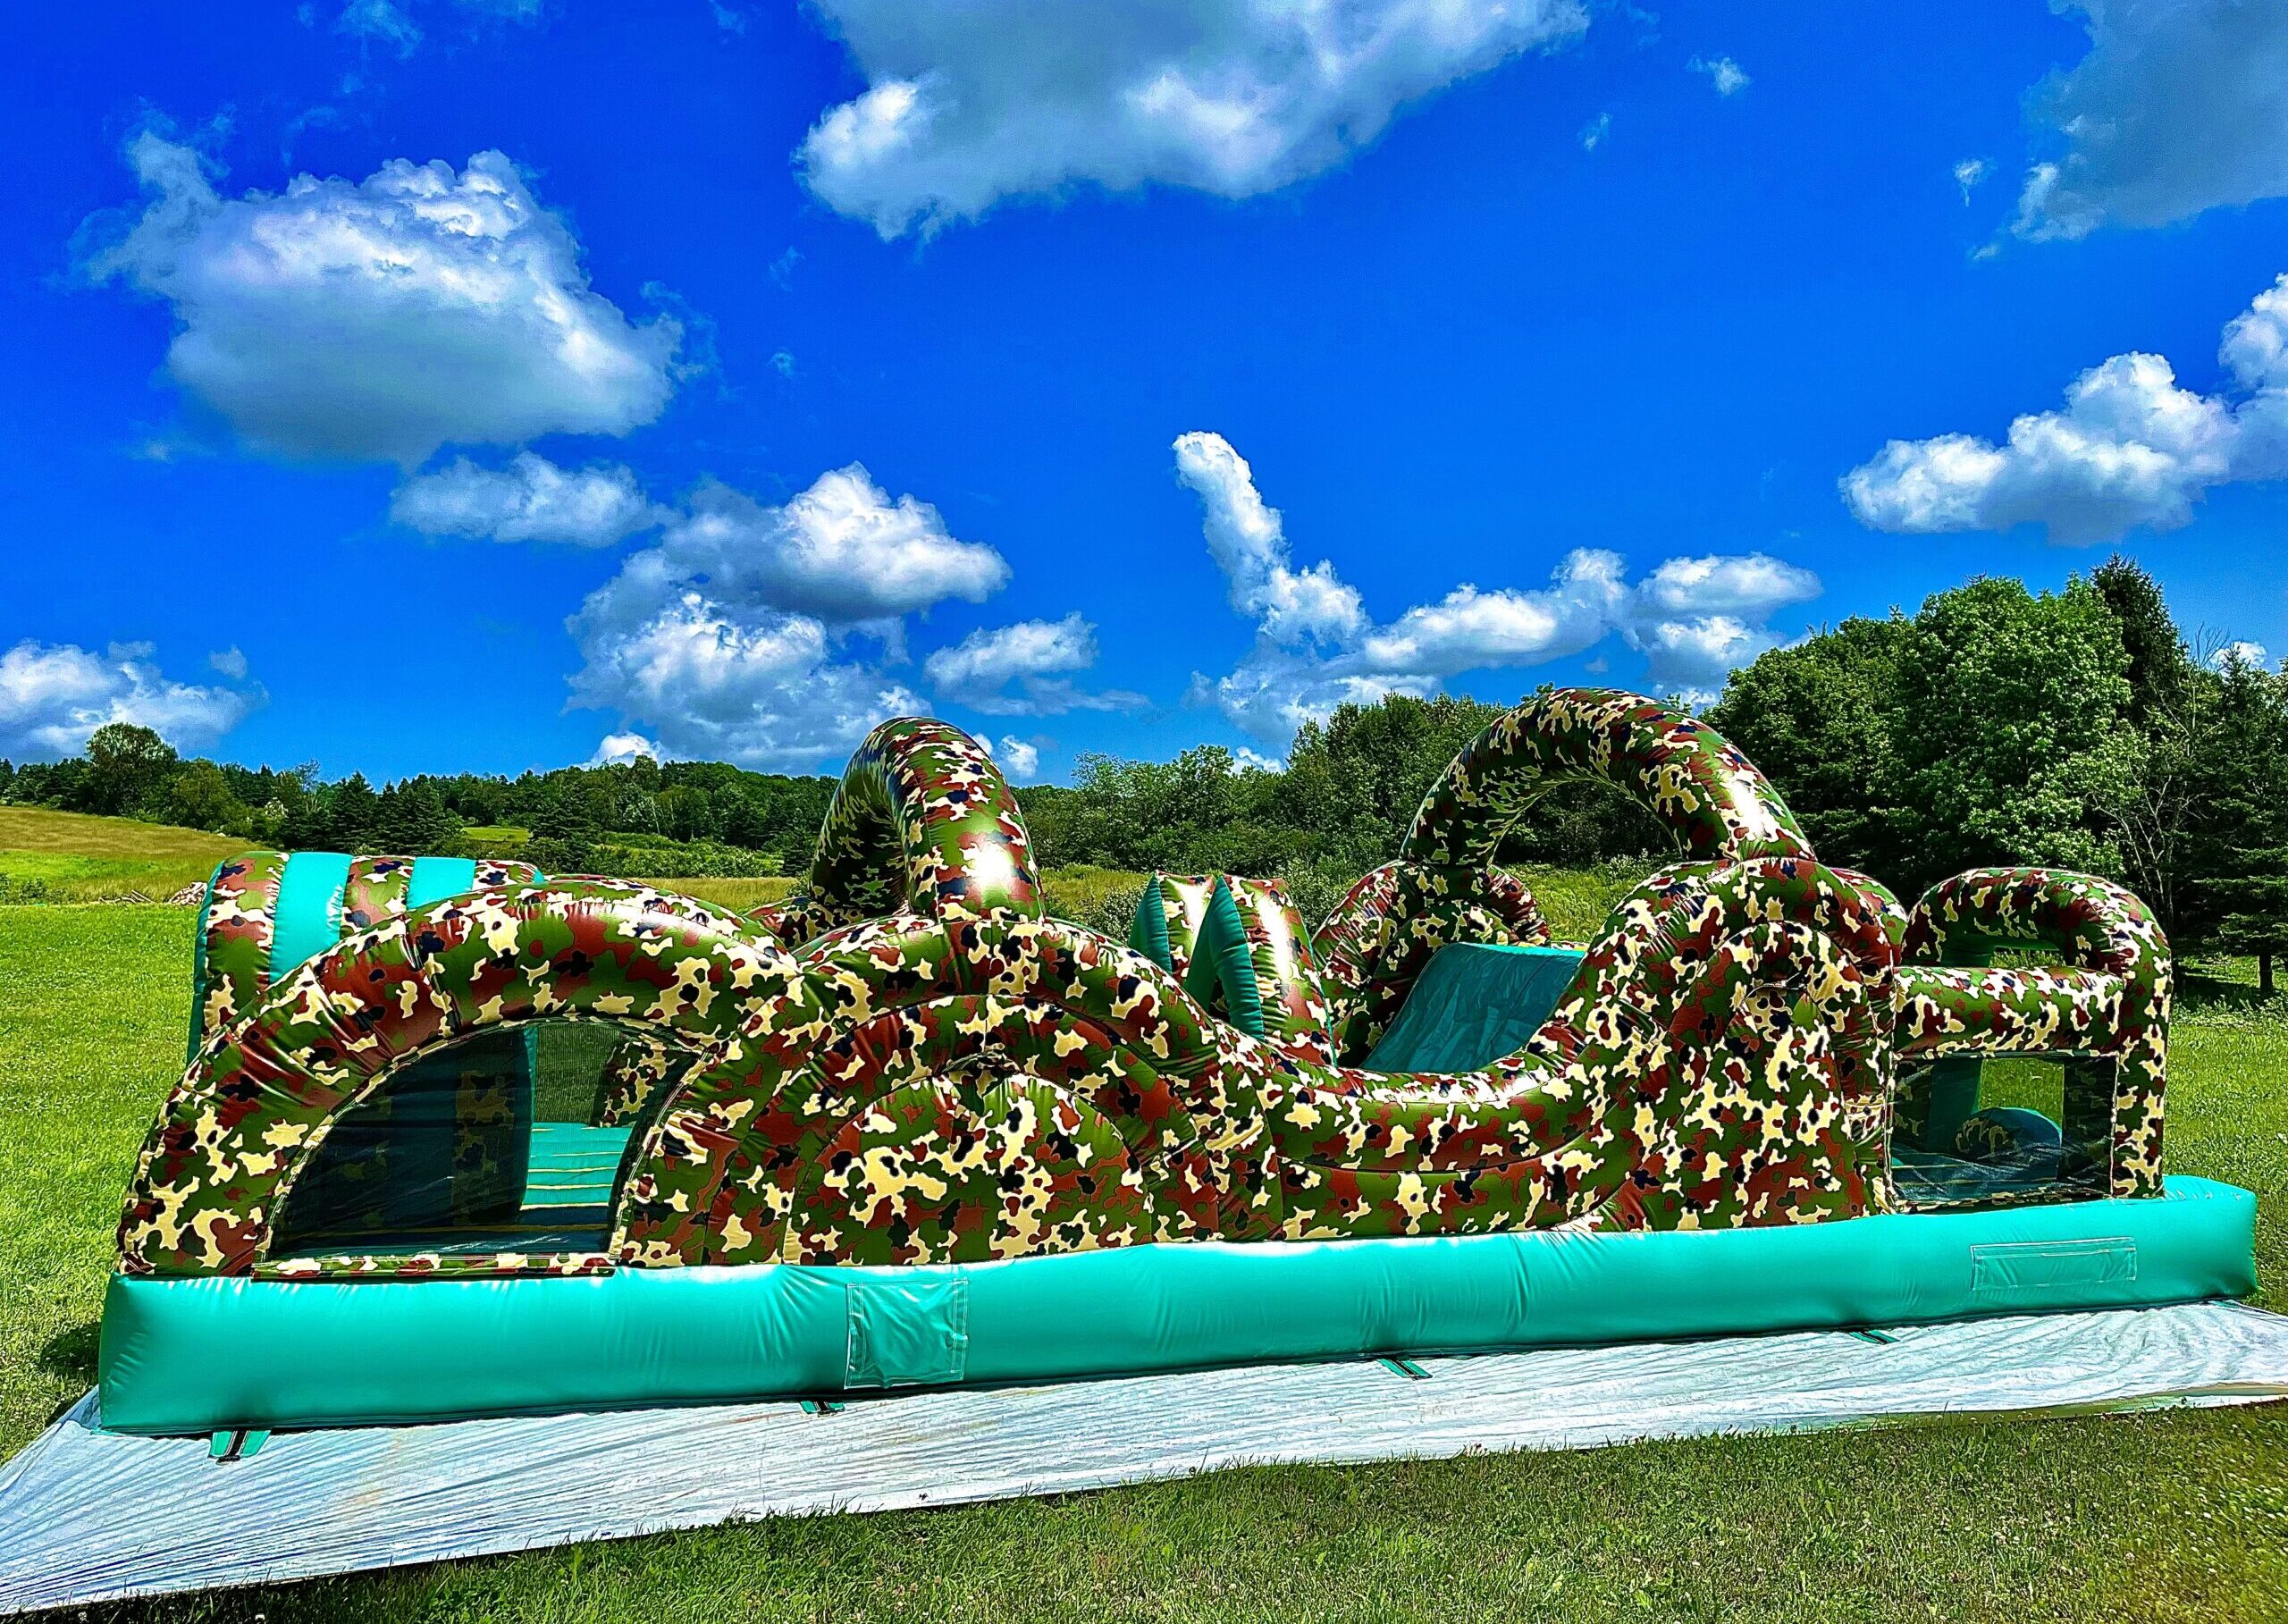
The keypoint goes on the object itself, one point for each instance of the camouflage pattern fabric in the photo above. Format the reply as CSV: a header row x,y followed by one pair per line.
x,y
955,1076
790,922
1183,900
240,920
374,891
2109,1006
923,820
1707,791
492,872
635,1072
1286,968
1373,947
235,931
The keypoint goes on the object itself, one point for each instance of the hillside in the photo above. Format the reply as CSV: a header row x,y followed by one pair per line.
x,y
61,856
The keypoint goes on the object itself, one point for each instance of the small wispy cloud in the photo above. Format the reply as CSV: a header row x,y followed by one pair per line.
x,y
1594,132
1728,76
1968,174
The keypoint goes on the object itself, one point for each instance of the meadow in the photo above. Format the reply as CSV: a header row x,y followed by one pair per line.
x,y
61,856
2181,1515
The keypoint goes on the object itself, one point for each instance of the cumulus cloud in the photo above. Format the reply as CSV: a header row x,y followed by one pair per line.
x,y
2242,652
1467,629
230,662
1019,758
383,317
531,500
732,638
1728,76
1753,584
2131,446
967,104
747,684
2179,107
1022,668
1694,618
1249,545
625,748
54,695
842,550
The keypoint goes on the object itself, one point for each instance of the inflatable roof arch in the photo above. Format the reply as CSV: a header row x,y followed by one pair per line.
x,y
905,1127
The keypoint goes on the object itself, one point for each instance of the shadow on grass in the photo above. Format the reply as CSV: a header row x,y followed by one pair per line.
x,y
2222,986
71,1353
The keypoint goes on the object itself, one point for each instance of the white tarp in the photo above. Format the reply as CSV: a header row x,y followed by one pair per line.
x,y
86,1515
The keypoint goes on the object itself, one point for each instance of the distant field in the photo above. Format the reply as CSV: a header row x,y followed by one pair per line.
x,y
61,856
737,895
1074,893
495,839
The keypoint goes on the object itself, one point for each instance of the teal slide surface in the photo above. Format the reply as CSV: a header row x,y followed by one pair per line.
x,y
196,1354
1474,1004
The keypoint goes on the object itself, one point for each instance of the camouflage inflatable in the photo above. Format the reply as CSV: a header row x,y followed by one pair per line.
x,y
909,1064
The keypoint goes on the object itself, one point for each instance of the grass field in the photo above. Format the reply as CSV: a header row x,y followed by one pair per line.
x,y
61,856
2176,1516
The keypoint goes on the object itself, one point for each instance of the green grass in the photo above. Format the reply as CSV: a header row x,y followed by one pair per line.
x,y
1071,891
494,840
737,895
1576,901
2165,1517
61,856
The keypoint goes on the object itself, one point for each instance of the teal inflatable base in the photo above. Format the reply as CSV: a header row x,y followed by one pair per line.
x,y
200,1355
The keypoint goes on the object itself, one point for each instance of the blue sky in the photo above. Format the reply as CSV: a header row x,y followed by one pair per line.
x,y
437,384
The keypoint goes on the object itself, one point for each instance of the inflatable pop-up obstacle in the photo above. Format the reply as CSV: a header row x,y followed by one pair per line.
x,y
907,1129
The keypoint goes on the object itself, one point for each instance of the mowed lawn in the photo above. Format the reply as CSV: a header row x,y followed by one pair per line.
x,y
2181,1515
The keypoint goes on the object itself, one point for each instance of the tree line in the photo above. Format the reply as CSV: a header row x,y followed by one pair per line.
x,y
2078,728
2074,729
639,817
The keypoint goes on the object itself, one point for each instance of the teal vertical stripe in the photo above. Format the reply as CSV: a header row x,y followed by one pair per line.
x,y
434,878
309,908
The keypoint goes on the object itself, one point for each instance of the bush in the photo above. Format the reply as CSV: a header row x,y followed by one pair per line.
x,y
644,857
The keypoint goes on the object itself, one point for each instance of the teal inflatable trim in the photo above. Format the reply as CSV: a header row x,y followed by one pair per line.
x,y
434,878
309,909
1222,964
193,1355
1148,931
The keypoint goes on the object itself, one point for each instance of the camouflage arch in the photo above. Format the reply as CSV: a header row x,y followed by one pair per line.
x,y
1678,767
256,1107
1443,889
2104,1007
922,821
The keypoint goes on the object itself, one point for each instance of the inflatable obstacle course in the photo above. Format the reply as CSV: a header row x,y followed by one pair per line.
x,y
906,1129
